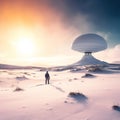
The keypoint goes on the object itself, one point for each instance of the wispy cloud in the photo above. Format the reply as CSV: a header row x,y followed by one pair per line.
x,y
110,55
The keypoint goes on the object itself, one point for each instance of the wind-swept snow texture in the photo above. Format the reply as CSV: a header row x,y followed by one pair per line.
x,y
38,101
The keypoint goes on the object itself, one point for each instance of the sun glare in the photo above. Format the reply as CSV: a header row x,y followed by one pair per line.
x,y
25,47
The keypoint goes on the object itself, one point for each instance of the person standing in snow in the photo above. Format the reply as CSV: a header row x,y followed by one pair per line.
x,y
47,77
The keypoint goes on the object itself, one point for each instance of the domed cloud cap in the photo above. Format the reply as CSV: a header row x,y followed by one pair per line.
x,y
89,43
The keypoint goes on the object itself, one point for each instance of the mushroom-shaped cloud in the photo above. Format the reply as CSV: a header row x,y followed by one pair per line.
x,y
89,43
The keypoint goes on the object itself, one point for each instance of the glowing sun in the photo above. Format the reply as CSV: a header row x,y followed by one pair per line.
x,y
25,47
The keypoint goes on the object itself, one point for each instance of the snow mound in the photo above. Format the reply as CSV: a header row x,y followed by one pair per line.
x,y
87,75
94,68
80,97
116,107
22,78
17,89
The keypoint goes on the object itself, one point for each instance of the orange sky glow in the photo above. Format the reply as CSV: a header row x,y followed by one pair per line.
x,y
29,31
33,33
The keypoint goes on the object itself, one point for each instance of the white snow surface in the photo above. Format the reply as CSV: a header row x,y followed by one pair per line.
x,y
89,43
38,101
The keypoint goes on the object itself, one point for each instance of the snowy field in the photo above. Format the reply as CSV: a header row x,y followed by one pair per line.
x,y
37,101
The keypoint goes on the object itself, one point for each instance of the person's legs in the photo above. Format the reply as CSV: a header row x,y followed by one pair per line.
x,y
46,81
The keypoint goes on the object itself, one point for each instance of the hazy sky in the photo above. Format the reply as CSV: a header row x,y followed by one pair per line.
x,y
37,29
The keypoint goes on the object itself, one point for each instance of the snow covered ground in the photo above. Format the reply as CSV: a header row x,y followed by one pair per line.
x,y
38,101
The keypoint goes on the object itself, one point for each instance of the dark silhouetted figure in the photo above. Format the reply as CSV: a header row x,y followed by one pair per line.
x,y
47,77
